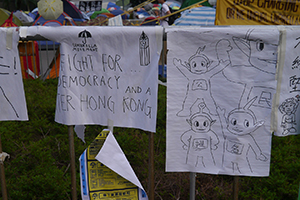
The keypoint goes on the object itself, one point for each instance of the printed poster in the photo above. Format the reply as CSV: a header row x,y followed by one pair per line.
x,y
221,83
99,181
107,73
12,96
287,109
257,12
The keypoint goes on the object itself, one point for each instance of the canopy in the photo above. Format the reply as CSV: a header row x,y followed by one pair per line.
x,y
199,16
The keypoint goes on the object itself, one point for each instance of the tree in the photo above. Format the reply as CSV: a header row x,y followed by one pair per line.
x,y
13,5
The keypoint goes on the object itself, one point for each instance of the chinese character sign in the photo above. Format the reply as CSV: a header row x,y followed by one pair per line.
x,y
221,83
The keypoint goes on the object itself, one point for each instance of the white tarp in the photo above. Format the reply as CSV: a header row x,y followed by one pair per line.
x,y
221,83
287,109
12,96
106,73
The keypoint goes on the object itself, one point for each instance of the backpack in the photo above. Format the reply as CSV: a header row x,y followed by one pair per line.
x,y
173,17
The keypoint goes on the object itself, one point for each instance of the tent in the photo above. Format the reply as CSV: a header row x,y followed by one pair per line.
x,y
73,11
4,14
199,16
9,22
63,19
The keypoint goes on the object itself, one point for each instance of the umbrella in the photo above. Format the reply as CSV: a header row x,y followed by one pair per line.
x,y
199,16
50,9
84,34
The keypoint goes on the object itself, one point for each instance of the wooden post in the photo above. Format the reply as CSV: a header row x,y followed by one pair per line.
x,y
235,188
151,166
72,162
3,182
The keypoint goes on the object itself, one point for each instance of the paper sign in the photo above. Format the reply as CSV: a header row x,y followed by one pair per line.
x,y
107,73
99,181
287,109
221,83
12,96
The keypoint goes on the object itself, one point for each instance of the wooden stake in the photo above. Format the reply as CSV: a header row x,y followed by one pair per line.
x,y
72,162
3,182
151,166
235,187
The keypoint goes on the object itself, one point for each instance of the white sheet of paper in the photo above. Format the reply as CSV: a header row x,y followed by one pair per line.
x,y
12,96
287,109
107,73
112,156
220,86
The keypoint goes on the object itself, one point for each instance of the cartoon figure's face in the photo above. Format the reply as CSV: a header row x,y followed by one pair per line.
x,y
240,122
263,56
289,107
200,123
199,64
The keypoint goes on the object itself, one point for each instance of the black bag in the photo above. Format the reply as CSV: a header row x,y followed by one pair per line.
x,y
172,18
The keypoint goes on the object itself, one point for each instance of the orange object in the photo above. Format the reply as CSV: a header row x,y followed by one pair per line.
x,y
29,59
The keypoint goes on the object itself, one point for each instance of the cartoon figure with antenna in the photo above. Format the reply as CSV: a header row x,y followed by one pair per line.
x,y
200,140
288,109
198,70
237,128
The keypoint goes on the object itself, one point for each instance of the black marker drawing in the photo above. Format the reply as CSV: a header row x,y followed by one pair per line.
x,y
262,59
200,140
198,71
288,108
237,129
5,69
144,49
294,84
84,34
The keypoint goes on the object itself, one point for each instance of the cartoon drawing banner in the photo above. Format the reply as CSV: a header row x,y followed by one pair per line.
x,y
107,73
257,12
221,83
12,96
287,109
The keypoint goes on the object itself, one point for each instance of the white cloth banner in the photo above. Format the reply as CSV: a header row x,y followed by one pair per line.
x,y
221,83
106,73
287,109
12,96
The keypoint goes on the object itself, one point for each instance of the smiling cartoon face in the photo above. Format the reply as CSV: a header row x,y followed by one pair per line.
x,y
200,123
289,107
199,64
240,122
263,55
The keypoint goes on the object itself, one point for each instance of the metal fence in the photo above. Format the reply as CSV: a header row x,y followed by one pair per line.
x,y
39,59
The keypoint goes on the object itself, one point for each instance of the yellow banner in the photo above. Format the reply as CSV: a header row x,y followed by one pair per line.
x,y
258,12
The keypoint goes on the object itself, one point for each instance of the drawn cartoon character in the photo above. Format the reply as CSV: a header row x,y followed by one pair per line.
x,y
200,140
237,128
262,59
288,109
198,71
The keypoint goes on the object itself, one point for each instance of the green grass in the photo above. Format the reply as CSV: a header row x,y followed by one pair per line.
x,y
39,164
